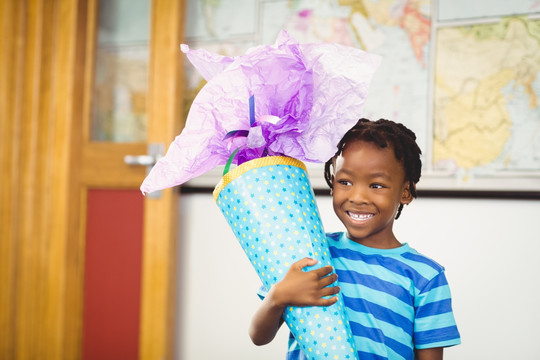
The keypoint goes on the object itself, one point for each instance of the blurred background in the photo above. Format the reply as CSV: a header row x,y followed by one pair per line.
x,y
92,92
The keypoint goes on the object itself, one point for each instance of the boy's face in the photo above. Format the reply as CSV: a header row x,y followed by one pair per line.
x,y
368,187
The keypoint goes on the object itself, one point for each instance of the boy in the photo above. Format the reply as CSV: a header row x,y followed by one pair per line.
x,y
398,301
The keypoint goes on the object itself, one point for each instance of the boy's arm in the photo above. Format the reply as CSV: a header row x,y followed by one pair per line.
x,y
429,354
266,321
297,288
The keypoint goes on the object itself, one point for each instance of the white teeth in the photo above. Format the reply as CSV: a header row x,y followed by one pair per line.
x,y
359,217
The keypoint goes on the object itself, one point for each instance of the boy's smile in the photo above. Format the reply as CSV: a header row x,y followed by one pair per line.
x,y
368,187
359,216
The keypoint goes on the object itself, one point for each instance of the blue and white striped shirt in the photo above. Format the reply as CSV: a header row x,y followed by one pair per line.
x,y
396,300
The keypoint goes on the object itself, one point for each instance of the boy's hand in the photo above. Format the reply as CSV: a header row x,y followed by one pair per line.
x,y
297,288
300,288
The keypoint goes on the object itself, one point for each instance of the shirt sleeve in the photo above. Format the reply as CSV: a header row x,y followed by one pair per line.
x,y
434,324
262,292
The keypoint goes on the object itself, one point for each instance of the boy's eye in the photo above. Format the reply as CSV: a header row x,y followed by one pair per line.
x,y
344,182
377,186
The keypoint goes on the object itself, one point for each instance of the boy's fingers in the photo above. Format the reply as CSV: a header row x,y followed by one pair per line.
x,y
330,279
300,264
325,270
327,302
328,291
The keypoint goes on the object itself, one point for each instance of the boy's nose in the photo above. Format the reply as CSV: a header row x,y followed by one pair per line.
x,y
358,195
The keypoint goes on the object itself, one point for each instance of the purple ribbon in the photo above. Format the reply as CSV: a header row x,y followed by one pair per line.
x,y
245,133
237,133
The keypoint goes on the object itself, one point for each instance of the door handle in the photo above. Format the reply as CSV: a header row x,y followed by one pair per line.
x,y
155,152
142,160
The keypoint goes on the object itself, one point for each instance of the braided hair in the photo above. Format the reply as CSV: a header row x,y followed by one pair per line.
x,y
384,133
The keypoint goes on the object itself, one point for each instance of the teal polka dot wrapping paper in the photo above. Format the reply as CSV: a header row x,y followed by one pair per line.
x,y
270,206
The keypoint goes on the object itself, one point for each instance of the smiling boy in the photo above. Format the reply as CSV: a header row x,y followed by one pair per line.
x,y
398,301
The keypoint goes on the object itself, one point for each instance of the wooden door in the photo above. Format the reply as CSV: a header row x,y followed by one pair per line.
x,y
104,172
56,180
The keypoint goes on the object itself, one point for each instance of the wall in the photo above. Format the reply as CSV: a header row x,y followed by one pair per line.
x,y
489,249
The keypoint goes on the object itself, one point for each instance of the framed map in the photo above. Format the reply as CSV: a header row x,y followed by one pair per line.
x,y
486,76
465,77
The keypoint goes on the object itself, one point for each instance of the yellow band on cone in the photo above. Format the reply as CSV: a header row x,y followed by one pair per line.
x,y
254,164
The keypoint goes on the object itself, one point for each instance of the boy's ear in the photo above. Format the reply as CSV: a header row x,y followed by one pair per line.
x,y
406,195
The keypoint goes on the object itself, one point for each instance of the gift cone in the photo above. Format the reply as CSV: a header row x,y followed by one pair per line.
x,y
269,204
